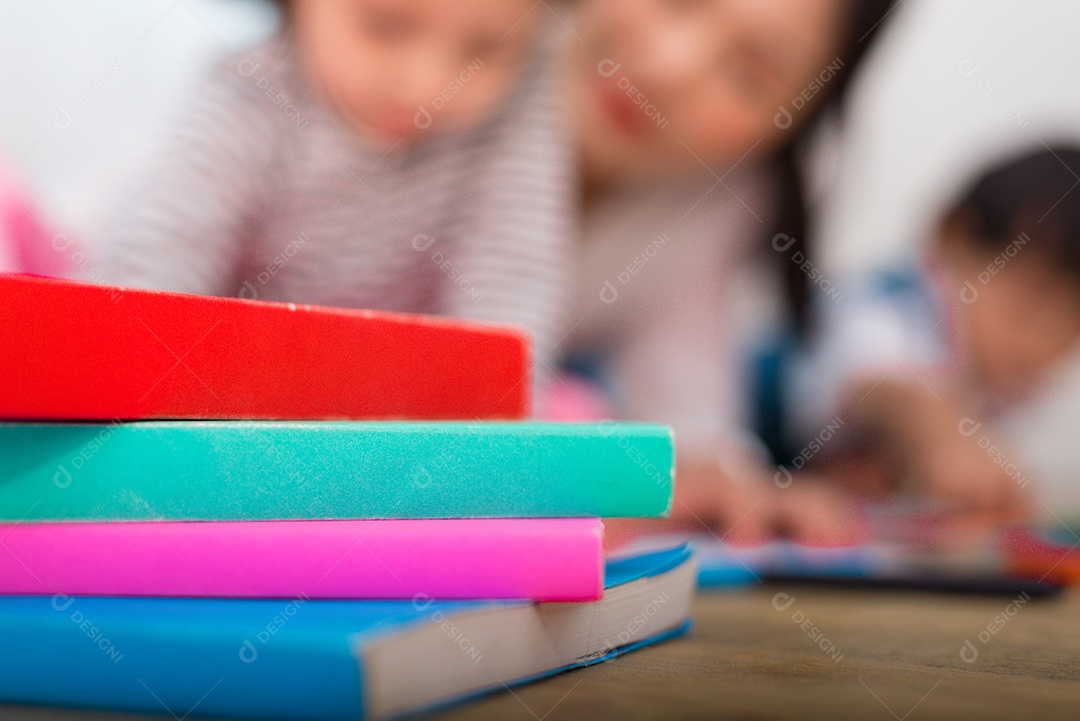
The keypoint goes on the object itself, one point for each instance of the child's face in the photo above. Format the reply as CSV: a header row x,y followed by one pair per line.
x,y
1018,314
395,68
663,81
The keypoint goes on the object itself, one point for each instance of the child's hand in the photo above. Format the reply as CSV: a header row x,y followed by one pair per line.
x,y
958,470
737,506
815,512
918,438
742,505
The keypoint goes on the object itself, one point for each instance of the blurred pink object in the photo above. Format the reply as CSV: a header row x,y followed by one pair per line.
x,y
25,243
568,399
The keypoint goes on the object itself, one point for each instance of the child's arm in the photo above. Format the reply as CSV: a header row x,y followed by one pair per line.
x,y
929,440
675,371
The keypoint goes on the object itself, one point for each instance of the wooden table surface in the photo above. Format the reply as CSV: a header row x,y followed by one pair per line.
x,y
827,654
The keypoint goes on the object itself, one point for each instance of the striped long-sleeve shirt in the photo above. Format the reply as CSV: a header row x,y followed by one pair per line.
x,y
264,192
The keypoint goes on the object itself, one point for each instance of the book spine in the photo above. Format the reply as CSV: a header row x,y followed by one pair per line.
x,y
65,650
76,351
537,559
236,470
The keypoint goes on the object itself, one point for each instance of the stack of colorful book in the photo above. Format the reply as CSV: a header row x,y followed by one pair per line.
x,y
233,508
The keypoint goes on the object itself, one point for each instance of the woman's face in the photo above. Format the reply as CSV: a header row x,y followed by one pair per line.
x,y
668,85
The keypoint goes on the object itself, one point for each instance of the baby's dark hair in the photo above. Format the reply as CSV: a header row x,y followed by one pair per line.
x,y
1032,196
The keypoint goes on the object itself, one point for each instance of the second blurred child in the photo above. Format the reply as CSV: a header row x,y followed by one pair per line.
x,y
994,431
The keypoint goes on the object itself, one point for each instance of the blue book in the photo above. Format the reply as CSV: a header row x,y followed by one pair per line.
x,y
318,659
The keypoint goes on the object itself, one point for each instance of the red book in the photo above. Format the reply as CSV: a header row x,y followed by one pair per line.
x,y
78,351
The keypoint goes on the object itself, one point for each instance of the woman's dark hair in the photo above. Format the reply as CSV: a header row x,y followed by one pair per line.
x,y
865,19
790,230
1032,197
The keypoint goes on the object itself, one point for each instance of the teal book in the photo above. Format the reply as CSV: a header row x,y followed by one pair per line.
x,y
323,660
269,470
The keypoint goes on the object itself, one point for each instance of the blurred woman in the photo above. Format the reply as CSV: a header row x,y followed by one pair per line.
x,y
693,115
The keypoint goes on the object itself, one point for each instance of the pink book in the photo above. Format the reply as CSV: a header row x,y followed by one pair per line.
x,y
557,559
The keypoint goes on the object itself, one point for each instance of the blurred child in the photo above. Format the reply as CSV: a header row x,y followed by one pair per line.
x,y
404,155
995,431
